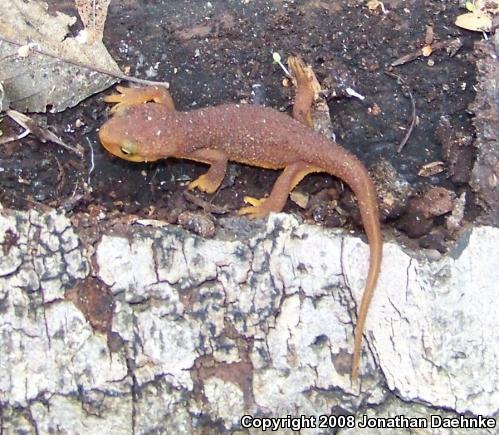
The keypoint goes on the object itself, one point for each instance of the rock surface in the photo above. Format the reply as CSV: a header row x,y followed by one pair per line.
x,y
258,320
485,176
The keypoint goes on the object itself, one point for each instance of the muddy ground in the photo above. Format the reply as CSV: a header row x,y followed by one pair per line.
x,y
213,52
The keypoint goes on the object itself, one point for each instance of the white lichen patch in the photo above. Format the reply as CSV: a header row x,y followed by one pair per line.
x,y
59,354
225,401
66,414
125,265
160,407
163,346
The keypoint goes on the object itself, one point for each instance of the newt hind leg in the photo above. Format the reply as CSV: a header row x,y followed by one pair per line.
x,y
132,96
307,87
286,182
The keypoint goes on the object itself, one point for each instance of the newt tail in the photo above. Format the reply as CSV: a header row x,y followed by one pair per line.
x,y
363,188
307,87
366,197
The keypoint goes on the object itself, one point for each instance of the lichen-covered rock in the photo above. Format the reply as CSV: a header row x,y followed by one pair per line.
x,y
193,333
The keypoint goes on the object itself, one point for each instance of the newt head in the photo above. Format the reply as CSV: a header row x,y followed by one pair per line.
x,y
141,133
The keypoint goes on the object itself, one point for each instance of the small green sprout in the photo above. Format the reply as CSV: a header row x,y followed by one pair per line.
x,y
470,6
277,59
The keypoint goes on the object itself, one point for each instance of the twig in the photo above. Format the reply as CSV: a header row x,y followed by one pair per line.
x,y
70,203
413,114
92,161
41,133
152,182
352,93
8,139
107,72
452,46
205,205
74,190
44,207
61,177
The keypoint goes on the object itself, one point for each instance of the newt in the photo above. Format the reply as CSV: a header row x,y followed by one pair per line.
x,y
146,127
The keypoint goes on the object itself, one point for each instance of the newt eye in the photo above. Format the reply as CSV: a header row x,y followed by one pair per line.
x,y
128,148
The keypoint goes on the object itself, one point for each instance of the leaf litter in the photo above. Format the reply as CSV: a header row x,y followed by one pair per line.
x,y
35,82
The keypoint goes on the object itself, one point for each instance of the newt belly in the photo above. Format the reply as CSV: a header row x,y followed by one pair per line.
x,y
149,128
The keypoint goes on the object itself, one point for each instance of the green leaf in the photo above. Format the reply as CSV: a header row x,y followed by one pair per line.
x,y
470,6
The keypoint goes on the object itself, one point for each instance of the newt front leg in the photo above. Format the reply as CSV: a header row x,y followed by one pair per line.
x,y
210,181
133,96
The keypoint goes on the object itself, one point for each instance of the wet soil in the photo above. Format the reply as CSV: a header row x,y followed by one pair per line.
x,y
213,52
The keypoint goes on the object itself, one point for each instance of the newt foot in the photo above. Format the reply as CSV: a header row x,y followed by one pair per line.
x,y
125,97
132,96
204,184
301,73
255,202
257,209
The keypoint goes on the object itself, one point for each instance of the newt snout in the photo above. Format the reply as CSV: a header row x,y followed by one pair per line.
x,y
142,133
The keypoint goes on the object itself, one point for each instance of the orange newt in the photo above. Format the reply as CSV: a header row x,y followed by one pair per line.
x,y
145,127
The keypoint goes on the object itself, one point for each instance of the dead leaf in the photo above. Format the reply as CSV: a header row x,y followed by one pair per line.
x,y
374,110
308,72
429,35
476,21
431,169
299,198
480,17
93,14
427,50
39,81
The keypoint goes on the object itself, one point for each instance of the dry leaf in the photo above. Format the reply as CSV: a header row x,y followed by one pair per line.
x,y
481,16
429,35
309,73
93,14
431,169
427,50
299,198
374,110
38,81
373,4
476,21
